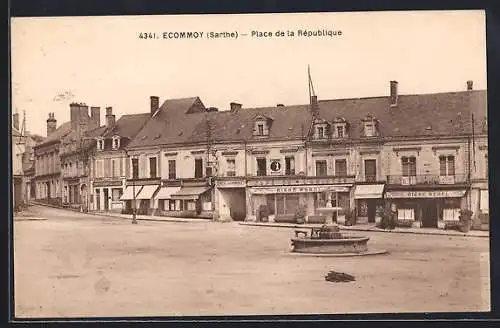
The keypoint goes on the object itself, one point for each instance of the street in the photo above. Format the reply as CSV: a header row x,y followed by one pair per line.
x,y
73,265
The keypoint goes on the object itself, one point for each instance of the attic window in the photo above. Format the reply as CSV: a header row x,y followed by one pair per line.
x,y
262,126
100,144
115,143
370,127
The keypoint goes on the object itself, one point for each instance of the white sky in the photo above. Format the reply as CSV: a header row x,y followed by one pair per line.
x,y
103,63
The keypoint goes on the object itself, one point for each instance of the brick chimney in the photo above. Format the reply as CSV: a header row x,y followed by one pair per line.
x,y
95,116
110,118
74,115
155,104
394,93
51,124
314,106
469,85
15,119
234,106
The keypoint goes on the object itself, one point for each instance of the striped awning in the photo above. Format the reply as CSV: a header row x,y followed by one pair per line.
x,y
371,191
128,194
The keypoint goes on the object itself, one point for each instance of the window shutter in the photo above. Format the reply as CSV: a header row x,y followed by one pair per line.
x,y
120,166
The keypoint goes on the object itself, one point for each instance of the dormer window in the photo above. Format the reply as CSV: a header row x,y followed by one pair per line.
x,y
262,125
100,144
321,132
321,129
370,127
115,143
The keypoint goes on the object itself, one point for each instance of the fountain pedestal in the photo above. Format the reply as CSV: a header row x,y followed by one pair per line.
x,y
328,213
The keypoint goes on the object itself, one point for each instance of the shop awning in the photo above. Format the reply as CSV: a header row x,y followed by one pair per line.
x,y
166,192
372,191
189,192
147,192
128,194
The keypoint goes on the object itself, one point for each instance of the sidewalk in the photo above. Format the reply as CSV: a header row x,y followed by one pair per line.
x,y
419,231
127,216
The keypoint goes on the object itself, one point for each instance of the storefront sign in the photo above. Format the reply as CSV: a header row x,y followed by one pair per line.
x,y
107,183
230,184
297,189
425,194
277,181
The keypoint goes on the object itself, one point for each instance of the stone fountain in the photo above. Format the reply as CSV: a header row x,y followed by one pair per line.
x,y
327,239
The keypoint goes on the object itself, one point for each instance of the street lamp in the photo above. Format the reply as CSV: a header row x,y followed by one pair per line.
x,y
134,219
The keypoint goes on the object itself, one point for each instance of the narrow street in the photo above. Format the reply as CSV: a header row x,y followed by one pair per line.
x,y
71,264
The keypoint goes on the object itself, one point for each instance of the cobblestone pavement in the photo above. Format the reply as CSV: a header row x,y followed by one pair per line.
x,y
73,265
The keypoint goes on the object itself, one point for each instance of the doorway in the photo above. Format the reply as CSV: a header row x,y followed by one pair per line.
x,y
371,210
106,196
429,216
98,199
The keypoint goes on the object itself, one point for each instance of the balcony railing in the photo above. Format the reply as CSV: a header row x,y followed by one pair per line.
x,y
424,179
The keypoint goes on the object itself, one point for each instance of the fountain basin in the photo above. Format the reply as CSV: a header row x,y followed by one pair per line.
x,y
330,246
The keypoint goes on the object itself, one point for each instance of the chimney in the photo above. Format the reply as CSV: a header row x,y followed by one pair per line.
x,y
235,106
280,105
15,122
394,93
155,104
51,124
314,106
74,115
110,118
95,115
469,85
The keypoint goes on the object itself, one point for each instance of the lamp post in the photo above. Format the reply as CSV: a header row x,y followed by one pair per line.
x,y
134,219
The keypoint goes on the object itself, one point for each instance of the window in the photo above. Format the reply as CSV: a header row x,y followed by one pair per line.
x,y
409,166
171,169
231,167
341,167
198,168
447,165
100,144
261,166
113,168
321,132
116,193
486,165
135,168
152,167
321,168
116,143
107,167
370,170
340,131
484,202
369,130
290,165
260,129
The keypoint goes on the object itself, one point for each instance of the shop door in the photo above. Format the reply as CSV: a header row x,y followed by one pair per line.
x,y
106,196
98,199
429,214
371,210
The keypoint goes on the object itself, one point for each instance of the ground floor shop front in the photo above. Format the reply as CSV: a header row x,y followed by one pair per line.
x,y
282,203
427,208
48,189
106,195
188,200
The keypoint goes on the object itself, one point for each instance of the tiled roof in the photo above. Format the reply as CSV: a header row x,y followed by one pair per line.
x,y
436,114
416,115
128,125
59,133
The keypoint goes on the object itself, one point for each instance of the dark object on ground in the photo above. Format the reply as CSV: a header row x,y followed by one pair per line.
x,y
285,218
333,276
263,213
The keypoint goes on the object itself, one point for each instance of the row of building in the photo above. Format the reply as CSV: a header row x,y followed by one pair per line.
x,y
426,154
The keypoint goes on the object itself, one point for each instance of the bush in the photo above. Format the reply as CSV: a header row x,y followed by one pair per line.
x,y
465,219
350,217
388,220
405,223
263,213
452,225
300,214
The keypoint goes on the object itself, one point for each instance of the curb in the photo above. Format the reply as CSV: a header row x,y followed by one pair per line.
x,y
121,217
271,225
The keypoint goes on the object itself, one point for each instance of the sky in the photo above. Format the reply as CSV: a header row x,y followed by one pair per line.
x,y
101,61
